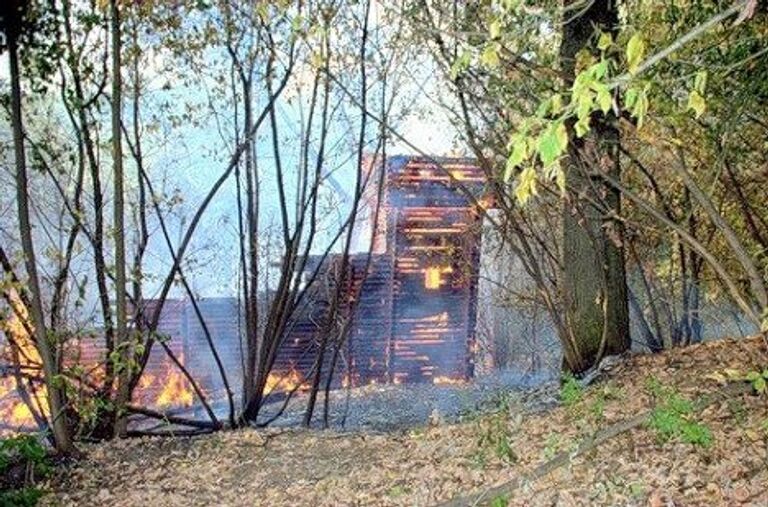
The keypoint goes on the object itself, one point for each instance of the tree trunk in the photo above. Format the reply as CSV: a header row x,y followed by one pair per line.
x,y
56,403
594,279
121,336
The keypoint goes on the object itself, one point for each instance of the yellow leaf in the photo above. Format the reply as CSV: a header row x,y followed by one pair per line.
x,y
697,103
526,185
635,51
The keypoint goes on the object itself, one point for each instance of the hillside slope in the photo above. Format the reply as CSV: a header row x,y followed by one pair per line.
x,y
687,456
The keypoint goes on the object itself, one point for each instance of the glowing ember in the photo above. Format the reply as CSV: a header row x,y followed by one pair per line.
x,y
447,380
433,276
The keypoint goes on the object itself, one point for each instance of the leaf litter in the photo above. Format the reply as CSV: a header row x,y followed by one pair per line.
x,y
436,462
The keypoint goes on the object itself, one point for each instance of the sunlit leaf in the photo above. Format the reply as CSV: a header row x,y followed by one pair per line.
x,y
605,41
630,97
582,127
560,179
495,29
557,103
635,51
552,143
584,105
526,185
489,56
604,98
460,64
641,107
696,103
517,157
700,82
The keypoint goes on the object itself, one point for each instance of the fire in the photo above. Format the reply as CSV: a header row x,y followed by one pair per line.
x,y
284,383
21,415
14,413
447,380
167,388
176,391
433,276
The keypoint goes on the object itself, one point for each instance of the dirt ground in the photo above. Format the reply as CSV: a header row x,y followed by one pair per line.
x,y
434,463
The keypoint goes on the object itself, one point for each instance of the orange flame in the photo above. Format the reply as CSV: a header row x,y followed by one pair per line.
x,y
14,413
447,380
291,381
176,391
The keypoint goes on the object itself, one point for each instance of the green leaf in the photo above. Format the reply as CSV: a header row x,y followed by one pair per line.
x,y
297,22
543,109
584,104
604,98
562,136
552,142
500,501
598,70
700,82
760,385
557,103
460,64
641,107
517,157
630,97
697,103
582,127
511,5
635,51
605,41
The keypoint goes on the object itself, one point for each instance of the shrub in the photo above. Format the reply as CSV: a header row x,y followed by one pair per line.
x,y
23,462
672,418
495,438
571,391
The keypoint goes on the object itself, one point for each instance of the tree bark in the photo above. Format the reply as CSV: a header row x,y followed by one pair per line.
x,y
121,331
594,279
56,402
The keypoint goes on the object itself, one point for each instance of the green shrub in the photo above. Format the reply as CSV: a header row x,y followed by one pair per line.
x,y
571,391
500,501
673,417
23,462
24,497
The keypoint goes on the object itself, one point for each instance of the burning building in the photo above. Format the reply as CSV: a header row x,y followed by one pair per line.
x,y
412,296
409,301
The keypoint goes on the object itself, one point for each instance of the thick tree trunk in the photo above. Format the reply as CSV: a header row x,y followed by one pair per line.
x,y
56,403
594,280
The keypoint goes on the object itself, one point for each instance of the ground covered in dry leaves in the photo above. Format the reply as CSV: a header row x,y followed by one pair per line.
x,y
435,463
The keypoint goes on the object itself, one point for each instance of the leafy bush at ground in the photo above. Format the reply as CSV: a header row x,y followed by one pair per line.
x,y
23,462
672,418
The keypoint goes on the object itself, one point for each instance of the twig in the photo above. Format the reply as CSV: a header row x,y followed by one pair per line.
x,y
171,419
